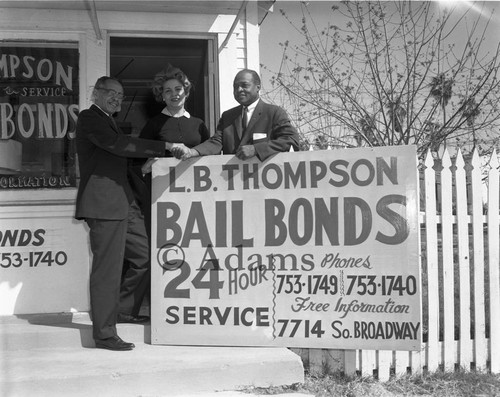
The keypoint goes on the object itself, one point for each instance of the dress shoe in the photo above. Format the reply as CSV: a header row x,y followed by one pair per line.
x,y
113,343
129,318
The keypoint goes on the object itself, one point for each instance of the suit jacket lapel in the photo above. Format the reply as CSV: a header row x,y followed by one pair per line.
x,y
251,123
114,125
109,119
255,115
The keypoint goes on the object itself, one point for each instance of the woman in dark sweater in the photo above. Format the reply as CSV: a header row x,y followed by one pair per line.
x,y
173,125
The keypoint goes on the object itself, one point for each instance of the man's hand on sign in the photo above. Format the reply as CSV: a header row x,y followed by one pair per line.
x,y
148,165
245,152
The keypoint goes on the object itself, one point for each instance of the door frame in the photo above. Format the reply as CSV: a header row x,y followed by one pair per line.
x,y
212,103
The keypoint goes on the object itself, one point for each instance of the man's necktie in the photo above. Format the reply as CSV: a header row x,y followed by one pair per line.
x,y
244,118
246,135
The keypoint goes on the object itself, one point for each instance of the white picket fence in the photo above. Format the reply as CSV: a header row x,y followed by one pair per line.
x,y
459,218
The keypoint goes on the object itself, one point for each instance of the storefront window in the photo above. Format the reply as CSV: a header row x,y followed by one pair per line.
x,y
39,94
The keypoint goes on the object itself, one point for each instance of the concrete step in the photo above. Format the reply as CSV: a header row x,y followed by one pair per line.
x,y
60,330
54,356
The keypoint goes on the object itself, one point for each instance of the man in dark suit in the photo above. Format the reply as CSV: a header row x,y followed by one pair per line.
x,y
254,128
106,202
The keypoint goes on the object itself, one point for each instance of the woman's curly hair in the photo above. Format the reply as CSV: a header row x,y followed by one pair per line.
x,y
168,73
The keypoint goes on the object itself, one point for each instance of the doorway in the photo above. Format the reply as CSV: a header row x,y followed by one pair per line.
x,y
136,60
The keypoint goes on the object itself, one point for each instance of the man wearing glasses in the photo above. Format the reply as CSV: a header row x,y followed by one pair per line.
x,y
106,202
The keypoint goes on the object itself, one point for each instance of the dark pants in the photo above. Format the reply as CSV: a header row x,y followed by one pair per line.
x,y
112,242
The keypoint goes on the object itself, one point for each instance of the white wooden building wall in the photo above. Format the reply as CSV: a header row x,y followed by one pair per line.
x,y
60,25
76,25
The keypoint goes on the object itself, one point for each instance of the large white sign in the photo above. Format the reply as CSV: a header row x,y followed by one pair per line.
x,y
307,249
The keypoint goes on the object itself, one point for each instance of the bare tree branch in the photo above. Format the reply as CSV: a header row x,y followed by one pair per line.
x,y
392,73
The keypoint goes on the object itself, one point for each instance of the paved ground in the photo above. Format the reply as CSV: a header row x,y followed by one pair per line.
x,y
55,357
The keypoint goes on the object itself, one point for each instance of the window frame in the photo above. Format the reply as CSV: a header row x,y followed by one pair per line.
x,y
49,196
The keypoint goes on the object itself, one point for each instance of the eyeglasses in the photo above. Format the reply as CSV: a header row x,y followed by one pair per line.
x,y
112,93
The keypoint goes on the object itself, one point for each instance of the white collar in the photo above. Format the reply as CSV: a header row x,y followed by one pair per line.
x,y
182,113
253,105
102,110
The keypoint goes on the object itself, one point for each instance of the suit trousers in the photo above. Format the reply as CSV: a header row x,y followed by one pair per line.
x,y
112,242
